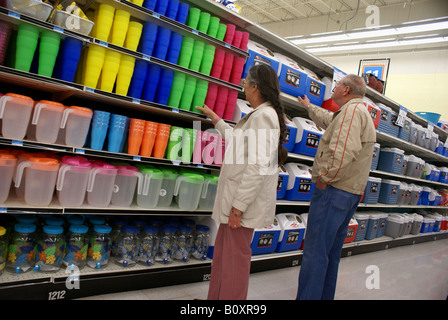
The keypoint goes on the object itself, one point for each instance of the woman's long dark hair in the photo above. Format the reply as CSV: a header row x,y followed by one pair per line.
x,y
265,77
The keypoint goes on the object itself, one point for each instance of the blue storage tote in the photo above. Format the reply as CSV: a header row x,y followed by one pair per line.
x,y
389,191
394,128
259,54
282,184
375,157
424,196
265,240
404,132
241,109
443,178
372,190
362,220
315,88
299,186
427,225
308,136
292,232
391,160
291,76
291,135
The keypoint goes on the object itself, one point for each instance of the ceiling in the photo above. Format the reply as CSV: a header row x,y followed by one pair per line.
x,y
267,11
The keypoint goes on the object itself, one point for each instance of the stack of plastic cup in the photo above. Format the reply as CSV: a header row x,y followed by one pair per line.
x,y
117,133
172,9
165,84
150,4
93,65
148,38
182,13
124,75
149,137
138,2
188,92
136,131
133,35
188,142
99,128
162,43
48,52
193,17
161,6
151,82
5,32
176,89
27,38
103,24
163,134
120,27
69,59
110,70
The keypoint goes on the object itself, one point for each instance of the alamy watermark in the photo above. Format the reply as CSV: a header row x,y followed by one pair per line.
x,y
373,280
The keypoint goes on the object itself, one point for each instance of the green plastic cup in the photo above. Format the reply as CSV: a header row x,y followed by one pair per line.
x,y
185,52
48,52
27,38
193,18
176,89
189,139
188,93
213,26
207,59
199,95
221,31
204,21
196,56
174,143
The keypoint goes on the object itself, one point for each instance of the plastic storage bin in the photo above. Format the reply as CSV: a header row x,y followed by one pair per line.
x,y
265,239
374,110
282,184
385,125
292,232
299,187
241,109
382,223
375,157
315,88
362,220
259,54
290,139
415,166
307,138
417,224
404,132
389,191
372,226
351,231
372,190
34,8
395,226
391,160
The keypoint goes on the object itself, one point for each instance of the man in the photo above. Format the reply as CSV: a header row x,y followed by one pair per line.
x,y
340,172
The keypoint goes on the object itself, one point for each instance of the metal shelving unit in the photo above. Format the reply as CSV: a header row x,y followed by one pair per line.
x,y
115,278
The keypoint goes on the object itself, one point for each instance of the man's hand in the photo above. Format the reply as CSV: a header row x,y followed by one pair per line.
x,y
304,101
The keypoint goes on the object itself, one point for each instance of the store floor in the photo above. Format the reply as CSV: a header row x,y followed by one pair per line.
x,y
412,272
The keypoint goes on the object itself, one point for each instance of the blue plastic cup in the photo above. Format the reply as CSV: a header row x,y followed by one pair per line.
x,y
151,83
174,48
182,13
138,79
162,43
161,6
173,8
68,59
148,38
117,132
100,125
164,88
124,140
150,4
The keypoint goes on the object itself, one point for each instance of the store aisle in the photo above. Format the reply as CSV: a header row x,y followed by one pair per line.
x,y
405,273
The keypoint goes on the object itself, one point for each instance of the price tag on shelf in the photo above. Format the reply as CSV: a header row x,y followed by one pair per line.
x,y
80,151
156,15
14,14
3,210
58,29
17,143
338,75
137,158
134,100
401,116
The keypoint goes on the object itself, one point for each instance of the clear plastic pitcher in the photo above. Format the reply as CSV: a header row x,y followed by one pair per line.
x,y
46,121
15,110
40,180
71,184
101,184
152,184
76,122
7,167
208,192
167,188
128,180
188,190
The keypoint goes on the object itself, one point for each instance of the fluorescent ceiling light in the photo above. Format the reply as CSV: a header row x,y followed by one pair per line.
x,y
378,45
369,33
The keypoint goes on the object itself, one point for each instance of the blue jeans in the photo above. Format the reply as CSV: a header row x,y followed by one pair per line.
x,y
329,216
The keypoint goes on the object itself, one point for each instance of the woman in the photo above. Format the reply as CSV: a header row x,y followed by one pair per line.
x,y
247,187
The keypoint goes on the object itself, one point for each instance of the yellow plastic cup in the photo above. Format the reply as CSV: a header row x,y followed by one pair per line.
x,y
124,75
94,63
137,2
120,27
104,21
133,35
110,70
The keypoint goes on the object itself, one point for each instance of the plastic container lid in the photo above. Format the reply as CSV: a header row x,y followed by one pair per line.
x,y
213,179
193,177
80,228
169,173
26,219
150,229
75,219
392,150
201,227
15,95
361,216
155,173
53,229
97,220
395,218
76,161
25,227
375,179
131,229
391,181
184,228
100,228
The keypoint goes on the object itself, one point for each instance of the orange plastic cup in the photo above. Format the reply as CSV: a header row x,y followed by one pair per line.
x,y
162,137
149,137
135,137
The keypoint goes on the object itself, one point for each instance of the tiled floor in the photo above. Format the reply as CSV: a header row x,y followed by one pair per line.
x,y
405,273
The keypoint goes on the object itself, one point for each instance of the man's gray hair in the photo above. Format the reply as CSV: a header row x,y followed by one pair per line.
x,y
356,83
